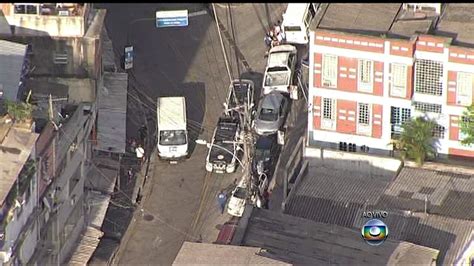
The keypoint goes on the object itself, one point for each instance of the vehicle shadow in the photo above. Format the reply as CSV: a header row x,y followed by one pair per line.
x,y
257,79
195,95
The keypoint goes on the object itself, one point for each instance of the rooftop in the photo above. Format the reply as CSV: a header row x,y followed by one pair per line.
x,y
391,19
214,254
112,112
301,241
354,17
16,144
339,197
12,57
457,21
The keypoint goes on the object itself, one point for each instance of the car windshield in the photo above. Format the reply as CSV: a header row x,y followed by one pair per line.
x,y
172,137
268,114
240,193
292,28
277,76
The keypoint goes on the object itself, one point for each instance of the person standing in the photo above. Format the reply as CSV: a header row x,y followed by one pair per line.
x,y
140,153
222,200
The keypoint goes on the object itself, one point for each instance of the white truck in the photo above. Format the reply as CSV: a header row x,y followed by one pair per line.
x,y
172,134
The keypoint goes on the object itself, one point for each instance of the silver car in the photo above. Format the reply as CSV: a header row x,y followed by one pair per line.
x,y
271,113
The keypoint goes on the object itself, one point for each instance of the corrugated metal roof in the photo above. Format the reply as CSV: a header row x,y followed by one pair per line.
x,y
12,56
112,112
339,197
447,194
300,241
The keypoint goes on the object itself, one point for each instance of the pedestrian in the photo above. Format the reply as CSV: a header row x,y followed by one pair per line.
x,y
268,40
140,153
133,144
266,199
222,200
143,133
130,174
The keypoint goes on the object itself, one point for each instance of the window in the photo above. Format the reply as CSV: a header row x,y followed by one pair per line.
x,y
329,114
427,107
31,9
329,75
438,132
464,88
399,80
364,114
398,116
328,107
366,75
429,77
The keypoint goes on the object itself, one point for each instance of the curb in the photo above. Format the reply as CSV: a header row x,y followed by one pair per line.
x,y
146,189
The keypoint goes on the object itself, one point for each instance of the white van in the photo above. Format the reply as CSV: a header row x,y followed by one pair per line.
x,y
296,21
171,130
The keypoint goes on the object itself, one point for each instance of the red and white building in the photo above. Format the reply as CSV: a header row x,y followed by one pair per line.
x,y
363,87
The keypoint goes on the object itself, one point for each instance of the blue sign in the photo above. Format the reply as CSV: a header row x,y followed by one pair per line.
x,y
177,18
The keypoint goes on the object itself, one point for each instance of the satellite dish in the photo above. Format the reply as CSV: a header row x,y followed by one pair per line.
x,y
220,157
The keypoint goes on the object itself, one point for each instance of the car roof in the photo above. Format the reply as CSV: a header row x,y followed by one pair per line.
x,y
265,142
272,100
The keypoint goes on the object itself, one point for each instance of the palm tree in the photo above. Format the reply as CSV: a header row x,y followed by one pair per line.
x,y
416,140
467,126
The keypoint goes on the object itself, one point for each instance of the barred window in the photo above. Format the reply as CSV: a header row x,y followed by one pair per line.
x,y
366,73
364,114
328,108
399,80
438,132
429,77
329,75
398,117
427,107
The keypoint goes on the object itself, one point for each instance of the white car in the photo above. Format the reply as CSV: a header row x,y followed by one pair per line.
x,y
280,69
236,205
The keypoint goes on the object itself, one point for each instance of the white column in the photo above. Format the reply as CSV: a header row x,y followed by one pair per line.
x,y
386,130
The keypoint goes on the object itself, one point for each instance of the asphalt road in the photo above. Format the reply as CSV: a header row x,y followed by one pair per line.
x,y
183,62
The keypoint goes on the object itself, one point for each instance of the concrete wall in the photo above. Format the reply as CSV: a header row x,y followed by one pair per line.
x,y
349,161
41,25
84,52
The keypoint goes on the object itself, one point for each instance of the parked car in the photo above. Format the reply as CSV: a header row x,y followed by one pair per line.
x,y
236,205
266,153
280,70
226,233
271,113
240,94
224,146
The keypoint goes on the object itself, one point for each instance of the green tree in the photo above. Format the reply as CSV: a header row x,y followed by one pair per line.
x,y
416,140
19,111
467,126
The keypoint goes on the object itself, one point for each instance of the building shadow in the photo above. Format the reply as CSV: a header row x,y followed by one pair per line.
x,y
195,95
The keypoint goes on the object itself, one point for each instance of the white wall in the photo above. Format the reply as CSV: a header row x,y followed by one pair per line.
x,y
375,165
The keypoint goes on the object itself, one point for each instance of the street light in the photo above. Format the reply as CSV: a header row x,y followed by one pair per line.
x,y
209,145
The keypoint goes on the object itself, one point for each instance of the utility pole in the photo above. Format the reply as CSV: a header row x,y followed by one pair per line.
x,y
244,118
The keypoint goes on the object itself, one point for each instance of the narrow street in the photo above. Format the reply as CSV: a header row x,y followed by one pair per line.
x,y
183,62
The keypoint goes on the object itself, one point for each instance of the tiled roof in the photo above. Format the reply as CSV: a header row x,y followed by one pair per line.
x,y
447,194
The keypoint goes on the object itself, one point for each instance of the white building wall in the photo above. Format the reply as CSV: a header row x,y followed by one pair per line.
x,y
386,100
